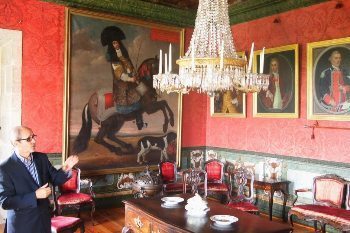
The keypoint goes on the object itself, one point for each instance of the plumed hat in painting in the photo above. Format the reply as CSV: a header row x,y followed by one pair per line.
x,y
110,34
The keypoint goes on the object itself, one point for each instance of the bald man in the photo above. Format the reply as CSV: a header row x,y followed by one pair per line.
x,y
24,184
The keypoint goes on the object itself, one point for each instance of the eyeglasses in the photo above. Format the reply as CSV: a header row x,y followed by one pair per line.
x,y
28,139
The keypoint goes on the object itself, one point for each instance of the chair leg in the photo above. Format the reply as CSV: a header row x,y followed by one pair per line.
x,y
315,225
82,228
92,213
291,220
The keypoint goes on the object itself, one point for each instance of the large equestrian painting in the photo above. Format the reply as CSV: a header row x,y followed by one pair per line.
x,y
115,120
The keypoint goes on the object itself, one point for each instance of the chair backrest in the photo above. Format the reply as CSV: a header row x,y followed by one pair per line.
x,y
167,171
73,184
215,170
194,177
329,190
243,185
197,157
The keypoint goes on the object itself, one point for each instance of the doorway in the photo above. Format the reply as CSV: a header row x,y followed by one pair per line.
x,y
10,89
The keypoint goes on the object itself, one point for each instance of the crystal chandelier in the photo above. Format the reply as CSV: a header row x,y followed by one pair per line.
x,y
211,63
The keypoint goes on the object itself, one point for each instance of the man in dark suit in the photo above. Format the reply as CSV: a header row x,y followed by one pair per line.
x,y
24,184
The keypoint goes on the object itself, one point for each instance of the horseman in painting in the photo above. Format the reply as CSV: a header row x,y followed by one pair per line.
x,y
125,94
132,96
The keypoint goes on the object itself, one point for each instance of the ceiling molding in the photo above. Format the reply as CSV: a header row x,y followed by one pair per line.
x,y
238,13
255,9
137,9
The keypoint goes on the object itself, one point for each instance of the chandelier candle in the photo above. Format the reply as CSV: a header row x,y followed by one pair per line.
x,y
160,62
251,58
166,63
170,58
261,70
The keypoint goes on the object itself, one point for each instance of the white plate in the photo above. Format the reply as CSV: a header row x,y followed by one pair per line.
x,y
172,200
223,219
172,206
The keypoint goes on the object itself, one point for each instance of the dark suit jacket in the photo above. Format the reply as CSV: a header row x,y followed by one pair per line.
x,y
25,213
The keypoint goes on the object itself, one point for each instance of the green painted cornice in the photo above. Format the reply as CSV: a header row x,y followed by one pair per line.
x,y
238,13
136,8
255,9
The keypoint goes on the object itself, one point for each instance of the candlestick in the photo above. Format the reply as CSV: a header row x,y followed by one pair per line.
x,y
160,61
251,58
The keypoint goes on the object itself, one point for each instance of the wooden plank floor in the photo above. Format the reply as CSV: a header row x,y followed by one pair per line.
x,y
112,221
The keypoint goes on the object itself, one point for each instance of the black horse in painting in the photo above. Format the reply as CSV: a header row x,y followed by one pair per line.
x,y
110,126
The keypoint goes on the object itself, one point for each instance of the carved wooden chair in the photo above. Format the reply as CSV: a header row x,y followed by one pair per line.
x,y
329,195
168,175
64,224
194,178
241,194
69,195
215,178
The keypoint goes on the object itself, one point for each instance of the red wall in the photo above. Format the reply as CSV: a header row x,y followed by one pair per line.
x,y
286,136
43,28
43,79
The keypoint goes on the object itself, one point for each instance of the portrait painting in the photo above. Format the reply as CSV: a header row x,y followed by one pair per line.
x,y
280,100
328,75
230,103
115,121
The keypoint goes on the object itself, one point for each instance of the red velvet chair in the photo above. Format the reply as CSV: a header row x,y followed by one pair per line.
x,y
241,194
329,200
168,174
215,178
64,224
70,196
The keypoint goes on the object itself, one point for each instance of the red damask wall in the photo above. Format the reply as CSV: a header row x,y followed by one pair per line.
x,y
285,136
43,28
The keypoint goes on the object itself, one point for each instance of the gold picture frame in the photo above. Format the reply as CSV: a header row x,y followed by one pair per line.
x,y
231,103
113,142
281,99
328,80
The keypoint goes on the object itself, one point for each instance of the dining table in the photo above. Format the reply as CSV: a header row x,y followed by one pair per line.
x,y
151,215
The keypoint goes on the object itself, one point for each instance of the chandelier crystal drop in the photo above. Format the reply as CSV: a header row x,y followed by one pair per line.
x,y
211,63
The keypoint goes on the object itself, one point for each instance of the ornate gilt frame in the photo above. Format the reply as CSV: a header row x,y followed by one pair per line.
x,y
67,86
315,52
294,69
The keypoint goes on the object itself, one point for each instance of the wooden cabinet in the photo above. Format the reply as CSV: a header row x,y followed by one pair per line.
x,y
137,221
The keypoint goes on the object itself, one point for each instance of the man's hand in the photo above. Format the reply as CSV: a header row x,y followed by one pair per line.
x,y
70,162
43,192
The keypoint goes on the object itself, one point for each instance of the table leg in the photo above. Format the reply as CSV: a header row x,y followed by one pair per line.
x,y
272,192
285,197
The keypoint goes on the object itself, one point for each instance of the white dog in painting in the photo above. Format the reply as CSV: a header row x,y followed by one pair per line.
x,y
148,143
